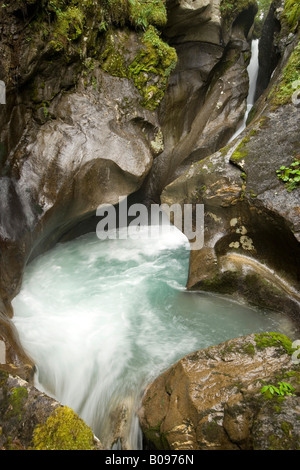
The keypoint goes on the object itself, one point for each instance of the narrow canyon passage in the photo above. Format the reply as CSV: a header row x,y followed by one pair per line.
x,y
102,319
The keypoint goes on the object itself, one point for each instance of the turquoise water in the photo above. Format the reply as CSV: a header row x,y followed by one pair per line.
x,y
101,319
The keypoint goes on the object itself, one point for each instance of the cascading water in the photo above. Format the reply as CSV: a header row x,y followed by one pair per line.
x,y
252,73
101,319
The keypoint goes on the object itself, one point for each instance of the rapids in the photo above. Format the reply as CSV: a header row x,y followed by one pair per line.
x,y
101,319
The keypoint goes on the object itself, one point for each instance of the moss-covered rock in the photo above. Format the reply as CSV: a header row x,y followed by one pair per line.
x,y
282,93
149,69
266,340
291,13
31,420
277,427
211,399
63,430
152,67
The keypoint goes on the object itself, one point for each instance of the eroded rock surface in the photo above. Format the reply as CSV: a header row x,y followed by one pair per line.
x,y
251,230
212,400
208,89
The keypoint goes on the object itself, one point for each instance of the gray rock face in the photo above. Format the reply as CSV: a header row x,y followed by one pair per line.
x,y
251,233
212,400
185,17
91,150
206,97
251,246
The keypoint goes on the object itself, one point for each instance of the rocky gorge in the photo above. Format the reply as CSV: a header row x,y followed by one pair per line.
x,y
109,99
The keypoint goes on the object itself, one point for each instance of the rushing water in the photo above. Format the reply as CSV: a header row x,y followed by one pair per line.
x,y
101,319
252,70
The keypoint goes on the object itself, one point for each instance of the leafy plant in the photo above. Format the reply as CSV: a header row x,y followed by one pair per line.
x,y
282,390
290,175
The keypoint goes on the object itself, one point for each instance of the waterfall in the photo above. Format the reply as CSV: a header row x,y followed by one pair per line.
x,y
252,70
102,319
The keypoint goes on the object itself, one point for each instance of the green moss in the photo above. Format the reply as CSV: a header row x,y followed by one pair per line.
x,y
138,13
230,9
263,9
286,428
63,430
3,377
113,61
151,68
69,23
249,348
16,400
278,340
154,435
211,431
291,13
83,29
144,13
282,93
240,152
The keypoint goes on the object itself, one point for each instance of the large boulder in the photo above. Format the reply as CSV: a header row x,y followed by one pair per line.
x,y
31,420
212,399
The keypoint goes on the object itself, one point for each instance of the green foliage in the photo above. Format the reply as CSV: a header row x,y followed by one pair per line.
x,y
155,60
283,92
95,29
113,61
290,175
144,13
69,23
63,430
281,390
149,70
291,13
230,9
138,13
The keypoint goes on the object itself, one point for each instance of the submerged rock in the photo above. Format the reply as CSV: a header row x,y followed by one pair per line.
x,y
212,400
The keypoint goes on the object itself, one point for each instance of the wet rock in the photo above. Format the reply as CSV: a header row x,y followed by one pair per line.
x,y
72,137
251,230
276,427
207,91
22,409
268,51
212,400
184,18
